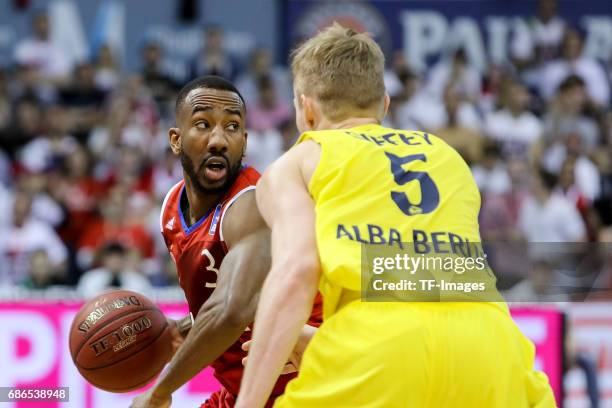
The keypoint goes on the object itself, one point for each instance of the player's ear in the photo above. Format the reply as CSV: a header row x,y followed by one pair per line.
x,y
246,140
386,103
309,109
174,139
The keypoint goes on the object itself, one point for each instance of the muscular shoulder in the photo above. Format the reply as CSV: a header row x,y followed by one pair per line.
x,y
241,219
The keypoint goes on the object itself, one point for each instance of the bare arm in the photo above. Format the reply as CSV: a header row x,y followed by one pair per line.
x,y
289,289
231,308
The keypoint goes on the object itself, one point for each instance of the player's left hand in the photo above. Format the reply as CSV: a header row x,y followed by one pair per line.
x,y
150,400
295,358
177,337
290,367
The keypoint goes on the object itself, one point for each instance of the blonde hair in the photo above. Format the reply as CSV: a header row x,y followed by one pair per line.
x,y
342,69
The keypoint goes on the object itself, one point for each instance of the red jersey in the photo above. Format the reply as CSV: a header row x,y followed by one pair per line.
x,y
198,251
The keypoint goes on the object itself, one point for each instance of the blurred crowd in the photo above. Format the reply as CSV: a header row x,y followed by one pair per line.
x,y
84,161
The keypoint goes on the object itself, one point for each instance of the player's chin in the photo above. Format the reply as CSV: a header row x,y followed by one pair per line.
x,y
214,185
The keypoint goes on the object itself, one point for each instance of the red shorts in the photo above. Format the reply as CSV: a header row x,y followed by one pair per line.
x,y
223,399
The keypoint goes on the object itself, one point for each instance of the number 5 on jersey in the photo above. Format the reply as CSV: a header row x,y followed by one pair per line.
x,y
211,267
430,197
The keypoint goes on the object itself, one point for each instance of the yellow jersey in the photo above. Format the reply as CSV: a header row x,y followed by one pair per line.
x,y
386,187
376,185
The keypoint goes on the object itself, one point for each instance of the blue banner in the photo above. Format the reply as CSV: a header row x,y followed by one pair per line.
x,y
424,30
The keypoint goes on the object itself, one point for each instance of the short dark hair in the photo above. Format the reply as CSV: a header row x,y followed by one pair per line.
x,y
113,248
207,81
570,82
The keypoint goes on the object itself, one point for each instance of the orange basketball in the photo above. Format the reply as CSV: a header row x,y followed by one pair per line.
x,y
120,341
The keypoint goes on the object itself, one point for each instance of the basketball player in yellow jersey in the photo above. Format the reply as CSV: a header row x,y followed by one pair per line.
x,y
350,181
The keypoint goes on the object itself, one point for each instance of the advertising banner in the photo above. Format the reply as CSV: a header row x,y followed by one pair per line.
x,y
34,354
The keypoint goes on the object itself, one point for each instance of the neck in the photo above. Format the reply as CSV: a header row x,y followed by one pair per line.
x,y
347,123
199,203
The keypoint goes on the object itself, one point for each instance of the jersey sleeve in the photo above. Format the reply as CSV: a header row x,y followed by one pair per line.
x,y
167,217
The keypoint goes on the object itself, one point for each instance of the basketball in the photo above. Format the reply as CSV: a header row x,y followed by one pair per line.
x,y
119,341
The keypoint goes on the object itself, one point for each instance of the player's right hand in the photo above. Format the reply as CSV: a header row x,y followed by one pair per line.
x,y
150,400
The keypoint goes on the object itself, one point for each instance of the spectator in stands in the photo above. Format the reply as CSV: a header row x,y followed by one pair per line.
x,y
516,128
586,174
455,71
580,193
412,106
491,173
260,65
538,286
166,173
131,120
493,80
113,273
105,140
6,204
547,30
460,126
541,41
503,183
156,76
84,100
550,217
573,62
113,226
499,213
131,172
566,114
603,204
42,274
27,85
567,186
22,237
78,192
26,125
51,63
396,68
5,102
264,118
44,207
263,148
52,145
575,193
107,69
214,59
269,111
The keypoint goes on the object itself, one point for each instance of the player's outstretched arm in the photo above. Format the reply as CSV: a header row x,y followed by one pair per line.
x,y
231,307
291,285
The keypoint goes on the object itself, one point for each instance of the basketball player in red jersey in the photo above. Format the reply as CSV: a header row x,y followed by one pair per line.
x,y
220,243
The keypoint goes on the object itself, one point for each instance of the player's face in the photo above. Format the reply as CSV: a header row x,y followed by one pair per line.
x,y
212,138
